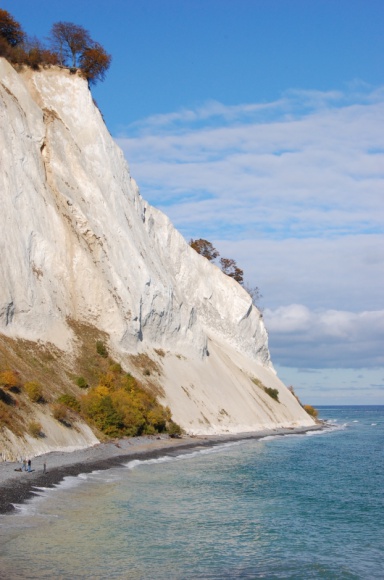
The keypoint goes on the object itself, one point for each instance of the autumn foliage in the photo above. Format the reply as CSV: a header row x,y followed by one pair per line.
x,y
69,45
9,379
311,411
34,391
119,406
227,265
94,63
75,48
204,248
230,268
10,30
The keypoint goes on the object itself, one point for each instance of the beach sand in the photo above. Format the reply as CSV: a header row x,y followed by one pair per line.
x,y
17,486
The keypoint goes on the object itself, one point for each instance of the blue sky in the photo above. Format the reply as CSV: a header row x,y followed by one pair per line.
x,y
259,125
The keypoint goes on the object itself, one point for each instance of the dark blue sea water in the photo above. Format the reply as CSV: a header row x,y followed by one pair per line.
x,y
294,507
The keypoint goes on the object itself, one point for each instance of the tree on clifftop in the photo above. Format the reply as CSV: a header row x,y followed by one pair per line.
x,y
230,268
227,265
69,41
71,45
94,63
75,48
10,30
204,248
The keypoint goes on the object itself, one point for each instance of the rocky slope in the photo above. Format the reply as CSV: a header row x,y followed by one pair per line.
x,y
78,243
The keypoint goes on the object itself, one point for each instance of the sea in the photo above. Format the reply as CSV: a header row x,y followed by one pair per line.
x,y
293,507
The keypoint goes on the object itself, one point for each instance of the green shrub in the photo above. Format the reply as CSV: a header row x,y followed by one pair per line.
x,y
34,429
128,382
34,391
116,368
69,401
82,383
274,393
102,412
101,349
157,418
119,406
149,430
257,382
173,429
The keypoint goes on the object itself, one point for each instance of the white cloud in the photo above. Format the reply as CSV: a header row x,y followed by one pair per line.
x,y
294,103
335,386
308,165
287,319
343,273
302,338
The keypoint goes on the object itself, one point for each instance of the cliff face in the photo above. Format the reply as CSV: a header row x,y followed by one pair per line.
x,y
79,243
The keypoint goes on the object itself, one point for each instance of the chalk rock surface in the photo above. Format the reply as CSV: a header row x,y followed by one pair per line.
x,y
77,241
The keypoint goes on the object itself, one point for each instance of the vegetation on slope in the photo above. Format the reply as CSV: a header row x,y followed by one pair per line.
x,y
273,393
91,387
312,412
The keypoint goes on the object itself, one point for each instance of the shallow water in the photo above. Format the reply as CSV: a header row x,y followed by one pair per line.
x,y
292,507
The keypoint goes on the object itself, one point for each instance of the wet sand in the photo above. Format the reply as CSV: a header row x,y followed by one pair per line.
x,y
17,486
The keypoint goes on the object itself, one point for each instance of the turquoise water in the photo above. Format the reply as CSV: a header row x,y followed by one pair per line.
x,y
293,507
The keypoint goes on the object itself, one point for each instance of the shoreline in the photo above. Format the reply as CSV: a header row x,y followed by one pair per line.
x,y
17,487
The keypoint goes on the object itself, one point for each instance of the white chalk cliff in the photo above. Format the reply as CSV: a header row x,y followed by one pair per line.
x,y
78,242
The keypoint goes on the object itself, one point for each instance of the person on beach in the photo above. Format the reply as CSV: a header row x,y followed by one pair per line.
x,y
44,467
29,465
24,467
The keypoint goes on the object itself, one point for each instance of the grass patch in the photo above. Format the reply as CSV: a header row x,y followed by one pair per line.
x,y
273,393
10,418
146,365
81,383
34,391
101,349
160,352
35,361
88,364
70,402
116,368
35,429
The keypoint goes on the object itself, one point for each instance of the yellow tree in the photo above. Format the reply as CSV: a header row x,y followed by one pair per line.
x,y
9,379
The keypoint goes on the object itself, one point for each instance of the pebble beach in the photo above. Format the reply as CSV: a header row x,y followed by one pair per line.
x,y
17,486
